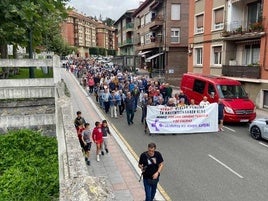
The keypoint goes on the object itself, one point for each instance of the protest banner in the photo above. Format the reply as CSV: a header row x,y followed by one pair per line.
x,y
187,119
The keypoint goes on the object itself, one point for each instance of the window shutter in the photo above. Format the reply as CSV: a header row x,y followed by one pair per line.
x,y
219,16
199,21
217,49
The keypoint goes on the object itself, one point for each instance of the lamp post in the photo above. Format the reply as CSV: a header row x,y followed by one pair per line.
x,y
159,36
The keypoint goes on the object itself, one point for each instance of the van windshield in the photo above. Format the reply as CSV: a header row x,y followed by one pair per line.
x,y
231,91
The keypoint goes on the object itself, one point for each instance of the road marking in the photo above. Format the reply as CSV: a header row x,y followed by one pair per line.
x,y
229,129
263,144
224,165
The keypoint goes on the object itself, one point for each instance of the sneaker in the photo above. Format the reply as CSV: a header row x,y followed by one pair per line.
x,y
88,162
85,158
107,151
102,153
98,158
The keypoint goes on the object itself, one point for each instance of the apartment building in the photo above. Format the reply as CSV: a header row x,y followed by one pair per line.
x,y
80,31
105,36
84,32
160,37
229,38
125,37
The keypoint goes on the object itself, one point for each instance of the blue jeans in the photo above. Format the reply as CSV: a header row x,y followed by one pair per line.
x,y
130,116
150,190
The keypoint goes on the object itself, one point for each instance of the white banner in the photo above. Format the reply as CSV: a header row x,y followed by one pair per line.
x,y
188,119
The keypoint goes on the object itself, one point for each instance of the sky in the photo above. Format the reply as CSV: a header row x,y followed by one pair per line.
x,y
113,9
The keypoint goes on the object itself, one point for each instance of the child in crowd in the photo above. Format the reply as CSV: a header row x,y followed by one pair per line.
x,y
97,138
86,137
80,130
78,120
105,131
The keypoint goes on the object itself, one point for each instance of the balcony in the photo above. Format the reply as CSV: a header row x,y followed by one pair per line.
x,y
156,22
126,42
129,27
252,71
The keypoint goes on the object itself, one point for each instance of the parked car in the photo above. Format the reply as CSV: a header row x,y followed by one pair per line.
x,y
237,106
259,128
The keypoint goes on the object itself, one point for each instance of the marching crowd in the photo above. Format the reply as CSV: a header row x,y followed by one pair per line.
x,y
117,91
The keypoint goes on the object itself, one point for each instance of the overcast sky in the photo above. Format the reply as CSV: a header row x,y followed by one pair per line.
x,y
106,8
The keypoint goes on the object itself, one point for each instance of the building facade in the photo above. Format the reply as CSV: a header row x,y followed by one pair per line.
x,y
160,37
85,32
125,38
229,38
105,36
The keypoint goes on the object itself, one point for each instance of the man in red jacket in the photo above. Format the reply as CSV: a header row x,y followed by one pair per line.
x,y
97,138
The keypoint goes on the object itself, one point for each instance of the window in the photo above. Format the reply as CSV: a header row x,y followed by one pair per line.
x,y
148,18
218,19
175,11
199,56
254,12
142,40
175,35
199,86
211,89
199,23
217,50
148,38
142,21
252,54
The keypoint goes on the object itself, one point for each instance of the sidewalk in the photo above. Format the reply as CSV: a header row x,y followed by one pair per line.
x,y
119,166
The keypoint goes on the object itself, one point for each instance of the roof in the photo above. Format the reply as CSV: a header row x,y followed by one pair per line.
x,y
214,78
128,12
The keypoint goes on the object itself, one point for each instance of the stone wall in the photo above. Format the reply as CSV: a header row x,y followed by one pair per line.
x,y
75,182
31,113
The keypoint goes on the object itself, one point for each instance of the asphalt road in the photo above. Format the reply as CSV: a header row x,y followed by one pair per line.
x,y
225,166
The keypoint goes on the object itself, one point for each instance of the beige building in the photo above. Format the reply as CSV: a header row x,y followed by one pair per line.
x,y
84,32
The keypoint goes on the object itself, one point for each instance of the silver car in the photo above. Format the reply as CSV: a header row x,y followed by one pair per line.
x,y
259,128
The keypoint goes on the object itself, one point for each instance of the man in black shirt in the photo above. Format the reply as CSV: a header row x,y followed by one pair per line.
x,y
151,164
130,107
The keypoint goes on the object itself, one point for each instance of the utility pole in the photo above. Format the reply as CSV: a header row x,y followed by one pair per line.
x,y
159,36
31,69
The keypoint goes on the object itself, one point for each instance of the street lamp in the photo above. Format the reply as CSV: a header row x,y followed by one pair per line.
x,y
159,36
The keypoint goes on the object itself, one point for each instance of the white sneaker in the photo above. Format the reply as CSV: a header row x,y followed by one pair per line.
x,y
98,158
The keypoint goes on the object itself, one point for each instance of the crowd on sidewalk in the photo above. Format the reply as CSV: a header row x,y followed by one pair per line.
x,y
86,135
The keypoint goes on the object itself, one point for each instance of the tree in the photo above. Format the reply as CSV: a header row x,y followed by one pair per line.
x,y
109,22
25,18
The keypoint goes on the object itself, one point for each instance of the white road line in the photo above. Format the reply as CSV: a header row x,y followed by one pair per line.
x,y
229,129
224,165
263,144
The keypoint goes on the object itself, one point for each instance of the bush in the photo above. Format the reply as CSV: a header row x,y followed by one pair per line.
x,y
28,166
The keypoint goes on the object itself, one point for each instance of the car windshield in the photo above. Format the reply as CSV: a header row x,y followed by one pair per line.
x,y
231,91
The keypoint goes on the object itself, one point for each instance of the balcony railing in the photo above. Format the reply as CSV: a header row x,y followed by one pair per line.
x,y
253,72
238,29
126,42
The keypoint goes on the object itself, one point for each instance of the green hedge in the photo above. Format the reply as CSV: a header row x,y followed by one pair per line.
x,y
28,167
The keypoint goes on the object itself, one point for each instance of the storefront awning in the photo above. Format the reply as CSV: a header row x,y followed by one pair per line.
x,y
143,53
154,56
